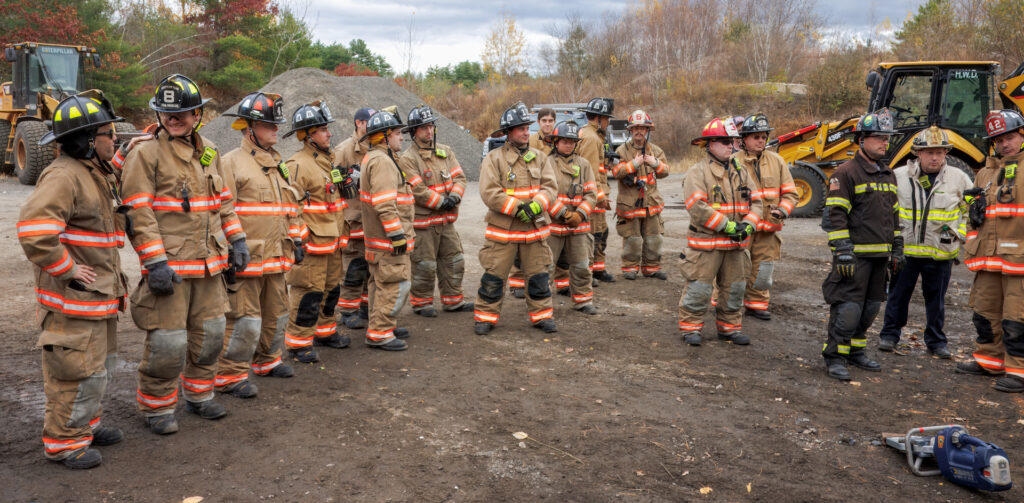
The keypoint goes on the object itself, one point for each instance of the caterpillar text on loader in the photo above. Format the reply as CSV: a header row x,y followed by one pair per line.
x,y
43,75
955,95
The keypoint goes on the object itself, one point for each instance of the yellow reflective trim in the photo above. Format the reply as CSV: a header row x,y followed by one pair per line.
x,y
74,112
843,350
838,201
859,343
930,252
872,248
845,233
935,215
192,87
57,117
90,108
880,187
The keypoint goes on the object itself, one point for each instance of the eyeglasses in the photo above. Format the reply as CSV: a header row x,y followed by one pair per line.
x,y
725,141
108,134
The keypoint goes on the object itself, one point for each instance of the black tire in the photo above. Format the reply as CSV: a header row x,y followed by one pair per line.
x,y
960,164
5,134
30,158
806,178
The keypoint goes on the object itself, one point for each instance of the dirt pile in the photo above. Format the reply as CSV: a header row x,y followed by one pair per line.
x,y
345,95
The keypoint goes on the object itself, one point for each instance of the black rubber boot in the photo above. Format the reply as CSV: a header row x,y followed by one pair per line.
x,y
482,327
736,338
305,354
588,309
657,275
242,389
836,369
761,314
604,276
83,459
630,275
353,321
692,338
861,361
335,340
206,410
465,307
395,344
1009,384
162,425
972,367
427,312
547,325
106,436
563,292
281,370
401,332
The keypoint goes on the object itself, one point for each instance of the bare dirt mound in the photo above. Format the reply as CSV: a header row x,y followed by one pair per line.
x,y
345,95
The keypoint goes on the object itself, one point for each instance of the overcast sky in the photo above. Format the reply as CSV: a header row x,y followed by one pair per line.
x,y
450,31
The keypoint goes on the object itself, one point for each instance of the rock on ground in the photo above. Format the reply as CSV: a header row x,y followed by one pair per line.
x,y
345,95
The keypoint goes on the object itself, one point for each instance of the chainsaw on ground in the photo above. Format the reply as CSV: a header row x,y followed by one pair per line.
x,y
961,458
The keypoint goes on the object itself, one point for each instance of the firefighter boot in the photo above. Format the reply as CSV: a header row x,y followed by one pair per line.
x,y
242,389
1009,384
657,275
336,341
547,325
692,338
83,459
518,292
604,276
482,328
426,312
861,361
736,338
206,410
281,370
395,344
305,354
972,367
105,435
162,425
401,332
836,369
761,314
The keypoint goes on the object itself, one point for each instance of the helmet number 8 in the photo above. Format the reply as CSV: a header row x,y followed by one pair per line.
x,y
169,96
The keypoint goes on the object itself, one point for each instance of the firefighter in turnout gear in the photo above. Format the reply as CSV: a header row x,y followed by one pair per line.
x,y
862,221
316,281
268,209
71,230
518,190
570,214
933,224
386,196
994,252
723,217
353,299
639,204
437,184
186,234
540,141
775,189
592,147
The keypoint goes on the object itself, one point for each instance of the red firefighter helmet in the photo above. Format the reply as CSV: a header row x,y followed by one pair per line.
x,y
639,118
1000,122
717,128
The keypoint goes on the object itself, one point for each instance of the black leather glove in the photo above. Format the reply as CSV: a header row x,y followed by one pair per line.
x,y
845,259
162,278
629,181
300,252
447,204
976,212
398,244
779,214
240,258
897,261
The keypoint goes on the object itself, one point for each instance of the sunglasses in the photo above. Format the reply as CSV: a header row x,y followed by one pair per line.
x,y
108,134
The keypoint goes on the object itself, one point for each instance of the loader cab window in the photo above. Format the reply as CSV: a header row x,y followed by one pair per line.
x,y
967,98
911,97
62,65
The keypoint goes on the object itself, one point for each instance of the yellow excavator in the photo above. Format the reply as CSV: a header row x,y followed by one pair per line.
x,y
43,75
955,95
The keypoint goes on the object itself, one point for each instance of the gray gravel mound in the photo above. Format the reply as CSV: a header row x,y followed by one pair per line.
x,y
345,95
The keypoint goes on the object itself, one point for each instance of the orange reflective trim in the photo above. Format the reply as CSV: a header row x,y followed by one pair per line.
x,y
40,227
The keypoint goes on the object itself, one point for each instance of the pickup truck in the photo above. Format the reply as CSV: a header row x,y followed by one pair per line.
x,y
616,133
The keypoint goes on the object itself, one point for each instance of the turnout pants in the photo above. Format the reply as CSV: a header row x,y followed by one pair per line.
x,y
576,250
184,336
78,363
599,228
998,303
934,281
854,303
496,260
315,287
702,270
389,290
765,249
355,279
254,332
437,257
641,243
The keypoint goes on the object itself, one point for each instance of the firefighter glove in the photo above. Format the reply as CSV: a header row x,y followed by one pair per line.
x,y
976,199
162,278
730,227
529,212
779,214
845,264
573,218
349,187
398,244
240,256
300,252
629,180
897,261
447,203
742,232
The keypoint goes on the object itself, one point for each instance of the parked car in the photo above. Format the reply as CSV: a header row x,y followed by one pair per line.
x,y
616,134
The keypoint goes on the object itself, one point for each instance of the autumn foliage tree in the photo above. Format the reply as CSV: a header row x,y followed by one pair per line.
x,y
504,49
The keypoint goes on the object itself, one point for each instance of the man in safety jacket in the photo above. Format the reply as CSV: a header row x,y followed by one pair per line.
x,y
639,204
862,223
71,231
316,282
723,217
995,252
592,147
437,184
518,191
385,194
184,230
933,223
774,188
570,231
267,207
352,302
